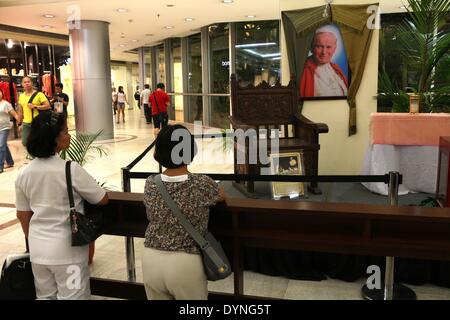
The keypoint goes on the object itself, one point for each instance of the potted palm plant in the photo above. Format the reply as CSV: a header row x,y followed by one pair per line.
x,y
424,42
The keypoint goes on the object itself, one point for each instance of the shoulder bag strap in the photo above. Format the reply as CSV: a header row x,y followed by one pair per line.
x,y
69,185
178,214
156,101
31,101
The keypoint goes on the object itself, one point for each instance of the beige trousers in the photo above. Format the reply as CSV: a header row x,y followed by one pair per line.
x,y
172,275
62,282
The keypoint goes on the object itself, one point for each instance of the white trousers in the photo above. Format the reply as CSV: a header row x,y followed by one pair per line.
x,y
62,282
173,275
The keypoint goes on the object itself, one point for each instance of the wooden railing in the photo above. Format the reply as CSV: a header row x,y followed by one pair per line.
x,y
408,232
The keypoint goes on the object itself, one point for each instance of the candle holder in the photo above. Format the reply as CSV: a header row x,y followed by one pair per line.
x,y
414,103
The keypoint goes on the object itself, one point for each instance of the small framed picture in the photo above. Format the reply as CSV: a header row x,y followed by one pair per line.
x,y
287,164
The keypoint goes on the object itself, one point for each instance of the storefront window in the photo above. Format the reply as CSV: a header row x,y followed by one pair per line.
x,y
3,58
195,77
161,64
148,67
220,73
177,79
258,52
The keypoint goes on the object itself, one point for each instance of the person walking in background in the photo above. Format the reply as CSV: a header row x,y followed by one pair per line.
x,y
60,100
6,110
172,265
145,96
160,101
137,97
114,100
31,103
43,205
121,101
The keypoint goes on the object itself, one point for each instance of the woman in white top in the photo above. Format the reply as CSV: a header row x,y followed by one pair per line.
x,y
121,100
6,111
60,270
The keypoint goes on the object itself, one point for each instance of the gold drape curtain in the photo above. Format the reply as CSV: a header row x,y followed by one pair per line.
x,y
299,25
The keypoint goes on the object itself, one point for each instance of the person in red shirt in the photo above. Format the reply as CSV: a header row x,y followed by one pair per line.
x,y
160,101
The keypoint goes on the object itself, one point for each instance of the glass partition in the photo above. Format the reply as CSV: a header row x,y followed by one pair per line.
x,y
195,78
161,64
148,67
258,52
177,101
220,74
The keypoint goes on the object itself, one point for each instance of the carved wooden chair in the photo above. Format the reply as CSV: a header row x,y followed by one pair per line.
x,y
274,107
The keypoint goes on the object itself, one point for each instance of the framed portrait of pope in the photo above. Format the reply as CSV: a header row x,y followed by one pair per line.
x,y
326,73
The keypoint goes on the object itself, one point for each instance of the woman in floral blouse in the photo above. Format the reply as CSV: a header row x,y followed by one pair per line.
x,y
171,263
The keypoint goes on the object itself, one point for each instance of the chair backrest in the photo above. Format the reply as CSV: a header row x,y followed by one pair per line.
x,y
264,104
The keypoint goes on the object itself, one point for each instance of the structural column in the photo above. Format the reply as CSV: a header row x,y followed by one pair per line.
x,y
91,78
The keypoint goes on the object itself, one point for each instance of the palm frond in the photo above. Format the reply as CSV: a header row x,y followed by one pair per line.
x,y
81,148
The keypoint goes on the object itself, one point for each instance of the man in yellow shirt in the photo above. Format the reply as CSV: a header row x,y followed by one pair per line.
x,y
30,109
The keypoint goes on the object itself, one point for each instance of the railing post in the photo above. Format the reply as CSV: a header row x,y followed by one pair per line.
x,y
129,241
391,290
389,273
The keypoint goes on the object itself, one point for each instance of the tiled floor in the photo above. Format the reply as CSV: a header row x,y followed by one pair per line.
x,y
131,139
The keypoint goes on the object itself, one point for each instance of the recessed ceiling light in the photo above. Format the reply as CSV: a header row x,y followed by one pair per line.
x,y
227,1
189,19
149,34
122,10
48,16
170,5
134,40
168,27
121,45
46,26
250,16
402,7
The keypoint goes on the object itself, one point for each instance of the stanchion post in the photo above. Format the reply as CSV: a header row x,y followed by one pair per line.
x,y
129,241
389,273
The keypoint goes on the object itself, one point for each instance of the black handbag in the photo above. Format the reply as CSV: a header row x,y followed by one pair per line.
x,y
215,261
85,227
17,281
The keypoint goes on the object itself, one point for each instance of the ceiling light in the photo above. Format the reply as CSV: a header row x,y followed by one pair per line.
x,y
170,5
46,26
250,16
48,16
168,27
10,44
253,45
149,34
121,45
134,40
227,1
189,19
122,10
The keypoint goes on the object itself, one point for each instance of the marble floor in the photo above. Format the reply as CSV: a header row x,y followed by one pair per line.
x,y
130,140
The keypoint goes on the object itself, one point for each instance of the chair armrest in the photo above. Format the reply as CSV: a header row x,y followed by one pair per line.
x,y
318,127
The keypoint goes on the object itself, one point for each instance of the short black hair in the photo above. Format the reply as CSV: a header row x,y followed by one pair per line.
x,y
59,85
45,129
164,146
147,86
160,86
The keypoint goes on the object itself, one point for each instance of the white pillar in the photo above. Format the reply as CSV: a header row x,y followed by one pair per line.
x,y
91,77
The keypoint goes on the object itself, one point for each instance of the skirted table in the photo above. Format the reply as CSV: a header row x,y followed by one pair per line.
x,y
409,144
